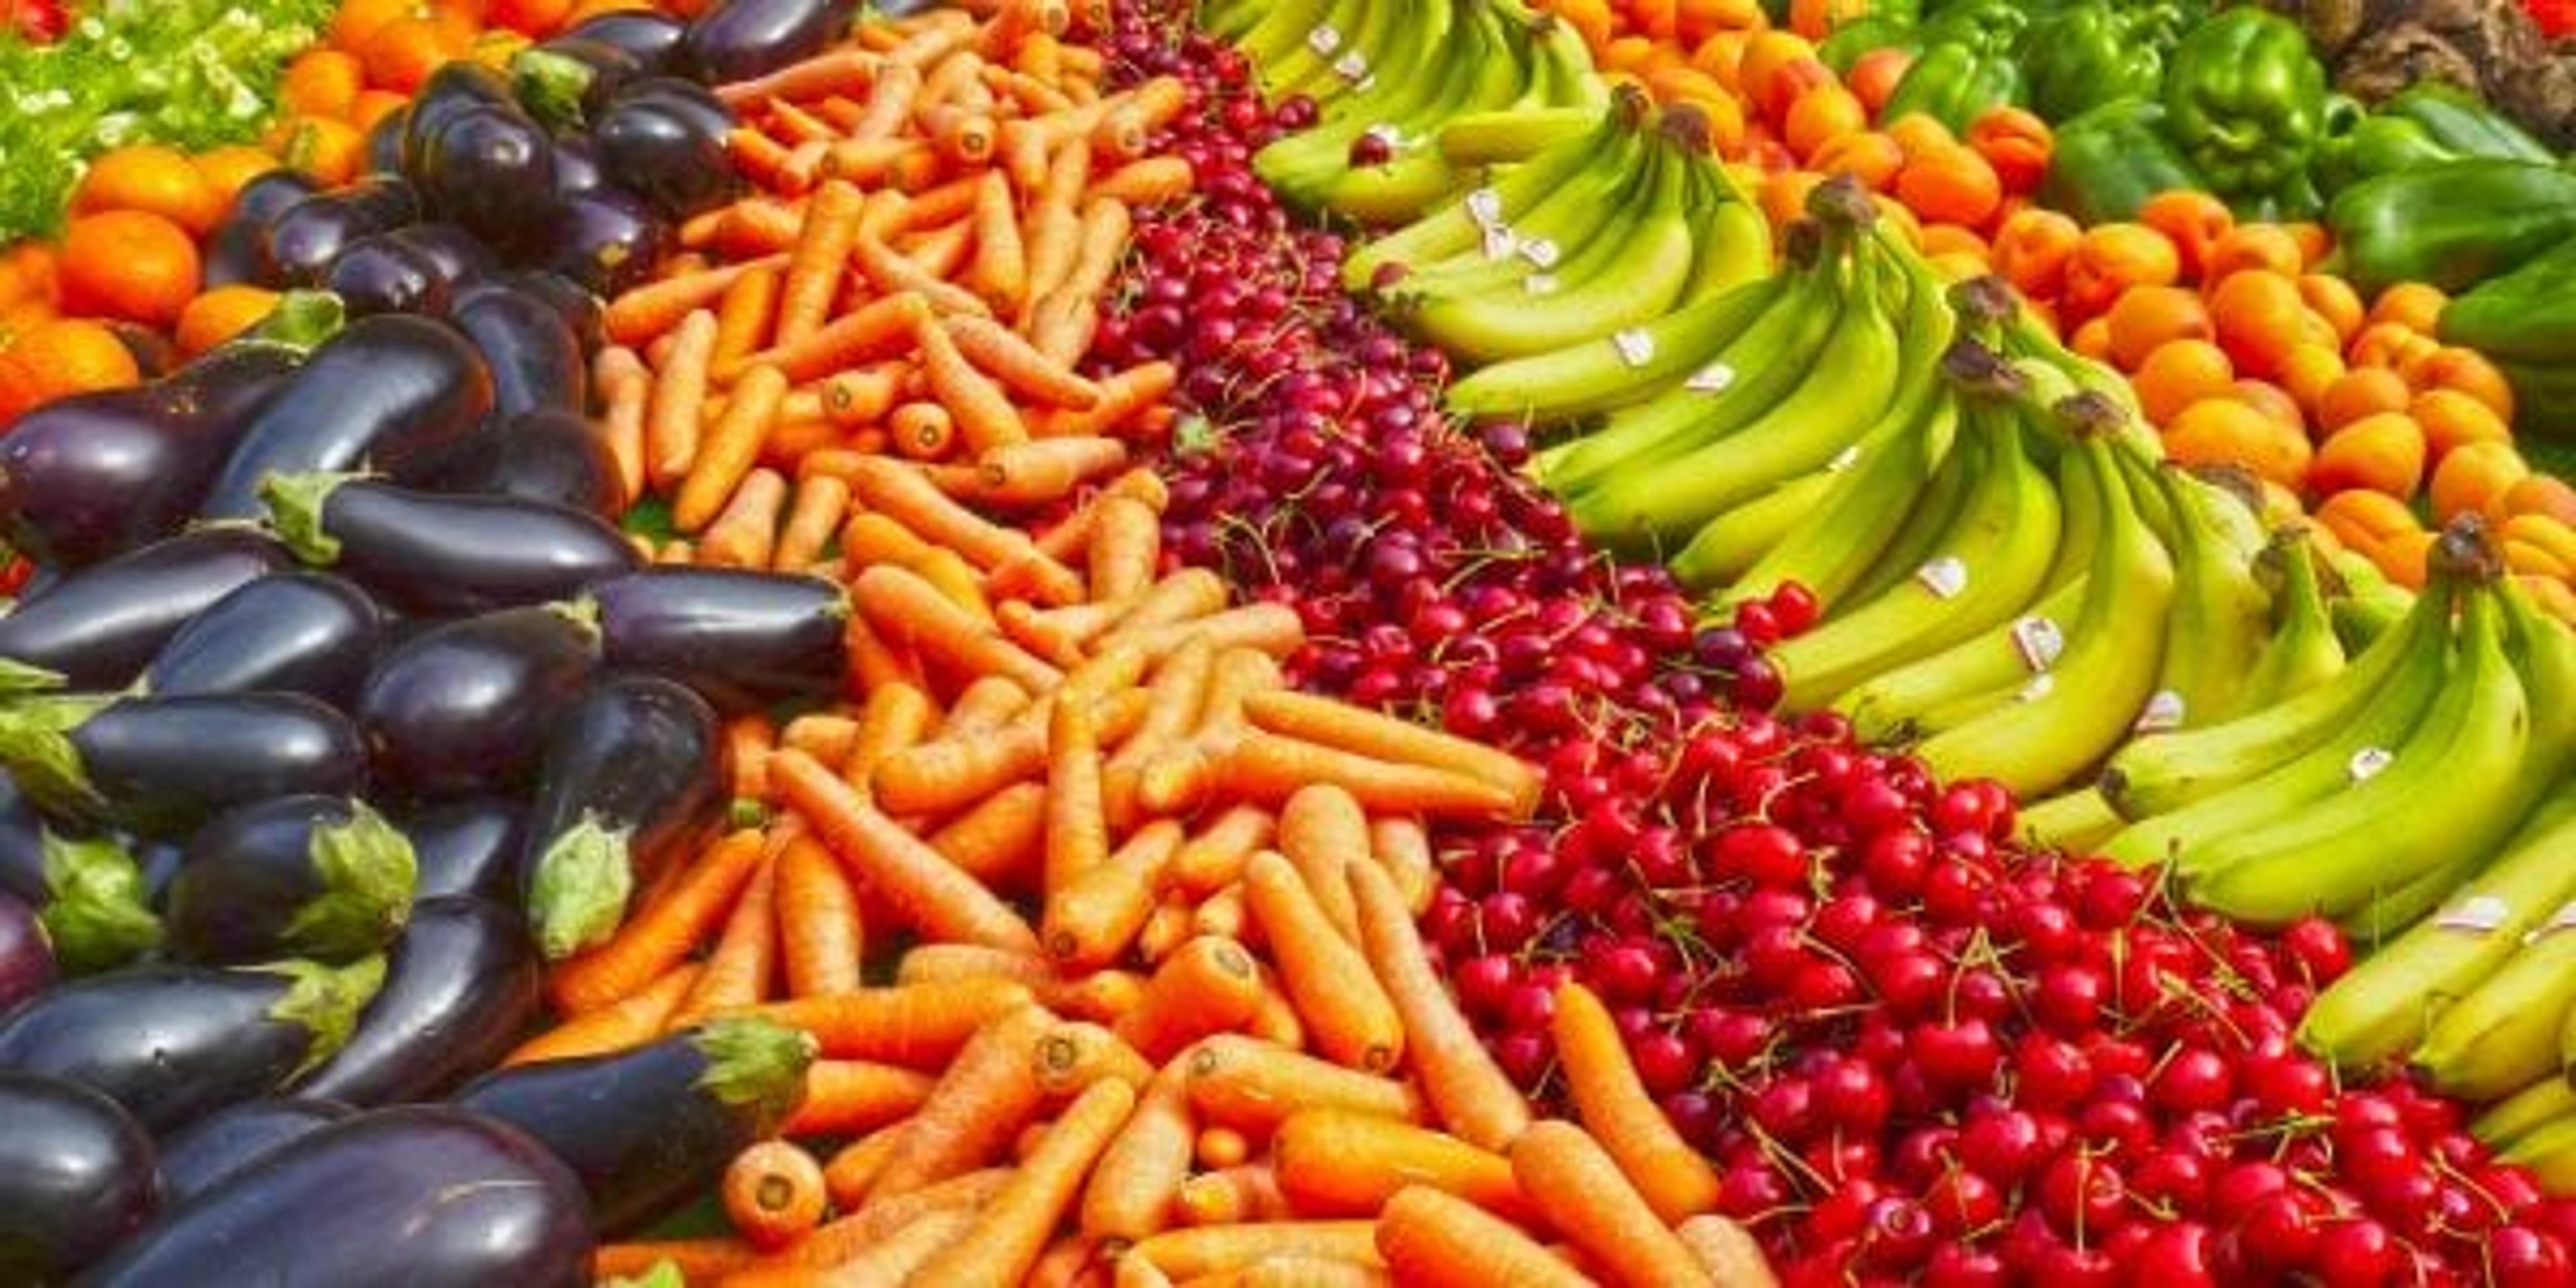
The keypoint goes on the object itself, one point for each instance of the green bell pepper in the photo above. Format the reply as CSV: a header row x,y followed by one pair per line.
x,y
1955,84
2110,160
2381,144
1863,35
2088,54
2454,118
2454,224
2527,315
1989,25
2245,100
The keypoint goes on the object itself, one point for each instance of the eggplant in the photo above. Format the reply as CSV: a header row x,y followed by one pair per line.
x,y
381,275
89,476
238,250
604,241
175,1043
547,456
437,554
22,852
323,877
423,1196
490,169
26,955
736,40
574,303
741,639
235,1137
649,1129
460,257
568,79
665,140
467,847
164,766
271,193
383,153
94,899
385,393
76,1177
534,357
649,36
577,169
455,89
307,236
98,628
288,632
461,987
463,707
634,775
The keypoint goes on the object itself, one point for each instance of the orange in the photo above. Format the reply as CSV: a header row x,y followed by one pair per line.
x,y
74,356
1798,77
220,314
2225,431
2194,220
2544,532
2451,418
1722,56
402,53
1700,19
1766,55
327,149
1950,185
2313,239
2542,494
2384,453
2092,339
2147,316
153,179
322,82
1815,19
228,168
1868,156
1820,116
2267,246
2032,247
1873,76
1918,133
2468,371
2362,391
2553,595
1950,239
2179,373
356,20
1783,197
2386,345
2257,313
2307,371
2414,305
2333,299
2532,559
19,388
2474,479
129,264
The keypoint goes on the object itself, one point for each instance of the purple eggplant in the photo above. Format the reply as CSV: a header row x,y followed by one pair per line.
x,y
453,90
490,169
604,241
649,1129
164,766
234,1137
649,36
464,707
735,40
577,168
742,639
424,1196
437,554
76,1177
26,955
468,847
288,632
575,304
98,628
460,989
22,847
383,153
238,251
94,900
534,357
175,1043
307,236
665,140
548,456
634,775
379,274
460,257
568,79
271,193
389,391
323,877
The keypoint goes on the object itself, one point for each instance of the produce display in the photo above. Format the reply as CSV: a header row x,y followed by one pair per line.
x,y
1325,643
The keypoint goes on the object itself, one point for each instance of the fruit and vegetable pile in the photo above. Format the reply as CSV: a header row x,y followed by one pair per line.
x,y
1320,643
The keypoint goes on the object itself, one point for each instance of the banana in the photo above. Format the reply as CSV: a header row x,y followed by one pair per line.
x,y
1563,63
2304,652
1418,176
2221,616
1457,228
1268,34
2550,1152
1734,242
1507,134
2070,719
1300,61
1590,213
1982,673
2517,1116
1406,79
2073,822
2368,602
2451,794
2544,654
2504,1035
1597,375
1728,544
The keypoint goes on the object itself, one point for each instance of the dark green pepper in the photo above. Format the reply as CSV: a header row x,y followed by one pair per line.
x,y
2453,224
2454,118
2381,144
2527,315
1988,25
2110,160
1955,84
2245,100
2089,54
1865,35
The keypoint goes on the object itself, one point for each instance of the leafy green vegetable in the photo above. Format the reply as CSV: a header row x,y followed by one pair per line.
x,y
190,73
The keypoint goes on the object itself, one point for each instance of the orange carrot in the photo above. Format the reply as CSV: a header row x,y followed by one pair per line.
x,y
1251,1085
886,1262
1213,1249
662,933
1130,1193
1231,1196
999,271
1094,915
1727,1251
1468,1092
773,1193
925,889
843,70
671,425
1054,242
1077,836
1339,999
853,1169
1335,1163
1046,470
847,1097
762,159
718,463
1571,1177
922,431
1675,1178
820,931
1125,544
910,613
745,533
942,251
896,716
1062,327
837,1241
816,512
1153,181
625,391
1267,767
889,102
875,663
1076,1053
906,495
814,269
985,415
739,968
863,396
1069,1262
796,126
1014,1228
913,1025
1039,632
1001,840
1122,396
650,310
1403,848
881,328
1320,829
1213,858
1384,737
890,272
870,538
1166,928
742,316
749,738
617,1027
1272,628
1022,146
1207,985
821,734
1436,1239
697,1260
1178,691
955,772
980,1102
981,707
1011,359
1222,1146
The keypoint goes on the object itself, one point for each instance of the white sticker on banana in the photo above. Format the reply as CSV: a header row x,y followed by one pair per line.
x,y
1945,577
2040,642
1636,346
1844,459
1540,252
1540,284
1711,379
1353,66
2038,688
1324,39
1485,207
2368,763
2478,915
2164,711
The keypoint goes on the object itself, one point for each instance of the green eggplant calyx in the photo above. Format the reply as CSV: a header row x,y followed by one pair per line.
x,y
579,890
295,511
755,1063
99,916
18,677
36,745
324,1001
368,875
551,85
301,320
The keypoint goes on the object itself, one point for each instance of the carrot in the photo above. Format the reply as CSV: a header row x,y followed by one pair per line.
x,y
895,717
1384,737
811,518
889,102
1109,671
1039,632
1092,917
890,272
985,415
1022,146
1070,1262
1062,327
1001,839
855,1166
824,735
835,1242
1231,1196
742,316
923,431
1076,1053
1267,767
846,69
1321,828
1046,470
1220,914
905,495
999,271
720,462
847,1097
1054,242
749,738
697,1260
1612,1100
943,250
745,533
1563,1169
1273,628
1403,848
870,538
1132,1272
875,663
913,1025
965,137
1214,1249
889,1261
912,614
880,328
1213,857
625,391
632,1022
1166,928
1120,135
1438,1240
1122,395
1223,1146
954,71
671,425
661,934
863,396
773,1193
983,1099
1300,1272
1208,985
954,772
650,310
1077,835
987,704
1153,181
1014,1228
739,967
1727,1251
762,159
814,269
1468,1092
925,889
1126,542
1011,359
1341,1002
821,934
796,126
1251,1085
1332,1162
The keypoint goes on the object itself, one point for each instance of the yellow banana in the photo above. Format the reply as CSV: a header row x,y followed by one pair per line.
x,y
2504,1035
2525,1111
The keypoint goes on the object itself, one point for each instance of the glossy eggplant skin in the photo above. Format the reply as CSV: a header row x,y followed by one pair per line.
x,y
463,707
87,477
152,768
547,456
99,627
383,153
533,355
423,1196
76,1176
317,877
741,639
172,1043
577,168
378,274
232,1138
460,257
388,391
650,37
460,988
665,140
604,241
436,554
22,848
455,89
574,303
26,957
307,236
467,847
489,168
634,775
739,39
288,632
238,251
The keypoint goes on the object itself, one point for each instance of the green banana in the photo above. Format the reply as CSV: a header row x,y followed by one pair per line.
x,y
1301,61
2524,1112
2221,616
1986,671
2073,822
1597,375
2368,602
1728,544
2504,1035
1412,77
2544,655
1506,134
1590,213
1418,176
2550,1152
1734,237
2304,652
1458,228
1269,34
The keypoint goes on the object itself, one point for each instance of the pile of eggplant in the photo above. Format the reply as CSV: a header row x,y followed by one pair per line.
x,y
338,704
